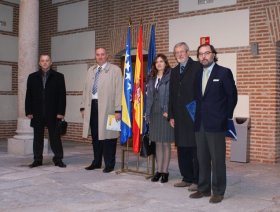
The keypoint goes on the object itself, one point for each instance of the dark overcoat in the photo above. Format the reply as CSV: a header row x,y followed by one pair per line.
x,y
181,93
45,104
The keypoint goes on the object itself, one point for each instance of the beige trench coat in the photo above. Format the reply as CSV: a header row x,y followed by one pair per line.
x,y
109,99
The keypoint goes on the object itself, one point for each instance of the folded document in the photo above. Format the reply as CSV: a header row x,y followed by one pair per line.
x,y
113,124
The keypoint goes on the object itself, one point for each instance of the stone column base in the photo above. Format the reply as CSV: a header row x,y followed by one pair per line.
x,y
24,146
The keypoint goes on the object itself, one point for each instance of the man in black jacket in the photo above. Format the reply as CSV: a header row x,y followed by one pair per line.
x,y
45,105
182,93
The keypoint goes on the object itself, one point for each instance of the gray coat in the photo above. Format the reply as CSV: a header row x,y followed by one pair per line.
x,y
163,90
109,99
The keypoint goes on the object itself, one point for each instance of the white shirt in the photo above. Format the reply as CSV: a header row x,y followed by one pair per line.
x,y
95,96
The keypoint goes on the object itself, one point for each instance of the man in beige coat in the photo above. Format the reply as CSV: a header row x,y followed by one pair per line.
x,y
102,97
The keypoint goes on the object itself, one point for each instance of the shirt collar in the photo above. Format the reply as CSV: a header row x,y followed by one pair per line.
x,y
184,64
209,68
103,66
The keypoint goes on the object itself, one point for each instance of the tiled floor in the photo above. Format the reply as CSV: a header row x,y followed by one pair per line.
x,y
251,187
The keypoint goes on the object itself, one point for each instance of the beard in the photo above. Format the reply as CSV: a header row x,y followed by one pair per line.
x,y
206,63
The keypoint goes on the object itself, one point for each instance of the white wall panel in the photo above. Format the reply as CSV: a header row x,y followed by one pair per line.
x,y
74,76
6,18
229,29
78,46
73,109
242,108
8,107
8,48
192,5
68,21
6,78
228,60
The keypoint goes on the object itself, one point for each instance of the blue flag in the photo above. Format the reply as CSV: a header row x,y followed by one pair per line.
x,y
152,50
151,58
126,122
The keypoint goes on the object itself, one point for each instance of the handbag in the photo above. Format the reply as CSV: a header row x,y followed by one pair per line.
x,y
62,126
147,147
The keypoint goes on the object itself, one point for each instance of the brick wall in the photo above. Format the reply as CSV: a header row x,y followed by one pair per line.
x,y
257,76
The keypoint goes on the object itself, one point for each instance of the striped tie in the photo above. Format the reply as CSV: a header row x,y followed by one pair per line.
x,y
95,83
182,69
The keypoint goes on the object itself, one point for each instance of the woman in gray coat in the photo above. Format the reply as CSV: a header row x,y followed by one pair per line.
x,y
156,115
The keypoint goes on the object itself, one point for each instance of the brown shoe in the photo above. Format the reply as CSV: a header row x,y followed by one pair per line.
x,y
198,194
216,198
182,184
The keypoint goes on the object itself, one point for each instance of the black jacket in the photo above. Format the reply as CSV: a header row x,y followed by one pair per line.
x,y
181,92
45,104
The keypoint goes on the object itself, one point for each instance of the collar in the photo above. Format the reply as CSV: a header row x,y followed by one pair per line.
x,y
210,68
103,66
184,64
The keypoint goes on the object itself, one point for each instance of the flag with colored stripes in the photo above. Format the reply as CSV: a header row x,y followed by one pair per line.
x,y
138,94
126,128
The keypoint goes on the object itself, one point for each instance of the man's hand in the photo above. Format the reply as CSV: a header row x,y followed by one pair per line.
x,y
172,123
30,116
165,115
58,116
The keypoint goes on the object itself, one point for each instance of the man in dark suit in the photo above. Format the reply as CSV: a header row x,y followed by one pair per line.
x,y
182,93
45,105
216,97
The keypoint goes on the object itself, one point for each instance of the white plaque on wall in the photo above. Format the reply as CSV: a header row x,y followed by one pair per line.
x,y
68,21
77,46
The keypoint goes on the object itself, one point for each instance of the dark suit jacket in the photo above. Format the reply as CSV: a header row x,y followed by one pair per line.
x,y
217,104
181,92
45,104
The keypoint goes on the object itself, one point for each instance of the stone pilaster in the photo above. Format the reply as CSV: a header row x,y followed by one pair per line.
x,y
27,63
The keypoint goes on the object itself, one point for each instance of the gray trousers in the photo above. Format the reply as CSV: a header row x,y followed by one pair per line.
x,y
211,154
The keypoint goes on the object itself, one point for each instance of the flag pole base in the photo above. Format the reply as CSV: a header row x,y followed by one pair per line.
x,y
126,167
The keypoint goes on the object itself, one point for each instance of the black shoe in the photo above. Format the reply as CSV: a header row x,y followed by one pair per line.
x,y
60,164
164,177
92,167
156,177
35,164
107,170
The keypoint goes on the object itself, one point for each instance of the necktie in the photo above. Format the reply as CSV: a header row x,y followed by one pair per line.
x,y
182,69
44,79
95,83
205,78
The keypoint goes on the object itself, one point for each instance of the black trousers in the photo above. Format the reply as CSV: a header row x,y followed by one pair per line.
x,y
188,163
106,148
55,142
211,152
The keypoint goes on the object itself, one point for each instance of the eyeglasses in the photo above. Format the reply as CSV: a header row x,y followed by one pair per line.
x,y
200,54
180,52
